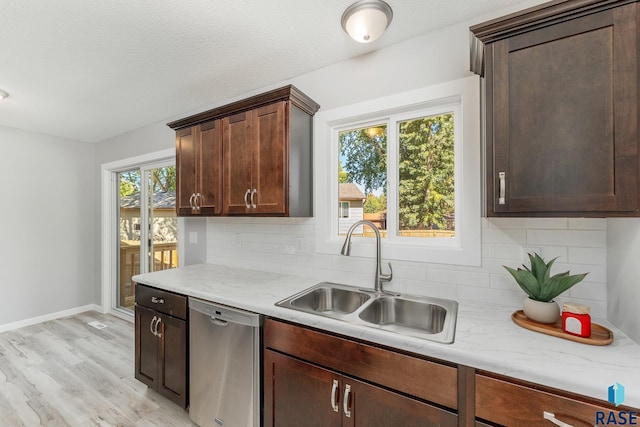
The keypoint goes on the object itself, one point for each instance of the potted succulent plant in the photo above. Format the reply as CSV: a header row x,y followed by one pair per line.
x,y
542,288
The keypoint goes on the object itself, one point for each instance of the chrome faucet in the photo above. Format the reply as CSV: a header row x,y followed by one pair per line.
x,y
346,250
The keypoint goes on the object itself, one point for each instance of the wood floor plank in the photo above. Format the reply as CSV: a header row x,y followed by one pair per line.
x,y
67,373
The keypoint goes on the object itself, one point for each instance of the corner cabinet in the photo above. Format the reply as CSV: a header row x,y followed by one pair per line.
x,y
252,157
561,93
315,379
161,332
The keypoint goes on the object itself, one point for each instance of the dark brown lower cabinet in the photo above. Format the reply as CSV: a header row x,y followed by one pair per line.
x,y
161,352
315,379
300,393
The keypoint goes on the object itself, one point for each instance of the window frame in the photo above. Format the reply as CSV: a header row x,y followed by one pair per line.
x,y
462,97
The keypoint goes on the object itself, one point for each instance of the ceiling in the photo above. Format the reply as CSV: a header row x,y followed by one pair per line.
x,y
89,70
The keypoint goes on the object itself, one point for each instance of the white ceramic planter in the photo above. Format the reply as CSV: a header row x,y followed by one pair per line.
x,y
539,311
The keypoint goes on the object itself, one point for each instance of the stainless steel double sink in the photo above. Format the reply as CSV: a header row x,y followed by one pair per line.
x,y
433,319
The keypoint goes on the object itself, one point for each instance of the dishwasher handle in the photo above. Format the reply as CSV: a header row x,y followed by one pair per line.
x,y
218,322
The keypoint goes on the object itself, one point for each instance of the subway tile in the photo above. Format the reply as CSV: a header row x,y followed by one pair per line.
x,y
546,223
588,223
586,238
504,235
593,256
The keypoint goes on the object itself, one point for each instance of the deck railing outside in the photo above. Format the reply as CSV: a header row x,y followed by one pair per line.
x,y
165,256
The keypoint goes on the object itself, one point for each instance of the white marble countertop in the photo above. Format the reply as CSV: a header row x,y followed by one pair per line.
x,y
486,338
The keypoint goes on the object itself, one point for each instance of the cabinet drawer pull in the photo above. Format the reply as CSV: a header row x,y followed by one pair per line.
x,y
334,396
345,401
551,417
502,176
191,203
253,193
157,300
199,200
246,198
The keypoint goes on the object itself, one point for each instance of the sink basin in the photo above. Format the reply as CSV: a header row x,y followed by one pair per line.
x,y
433,319
329,299
423,316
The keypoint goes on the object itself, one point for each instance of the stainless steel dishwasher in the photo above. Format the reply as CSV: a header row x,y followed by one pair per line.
x,y
224,365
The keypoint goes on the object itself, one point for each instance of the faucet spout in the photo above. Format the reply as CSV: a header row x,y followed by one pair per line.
x,y
346,250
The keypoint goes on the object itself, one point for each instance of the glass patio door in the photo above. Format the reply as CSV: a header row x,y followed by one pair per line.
x,y
147,225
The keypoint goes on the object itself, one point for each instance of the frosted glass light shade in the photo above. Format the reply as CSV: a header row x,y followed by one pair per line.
x,y
366,20
3,94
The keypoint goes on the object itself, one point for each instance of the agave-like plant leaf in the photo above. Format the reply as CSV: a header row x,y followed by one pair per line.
x,y
560,283
537,281
526,280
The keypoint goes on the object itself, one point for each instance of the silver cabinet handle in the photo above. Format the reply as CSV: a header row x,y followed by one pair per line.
x,y
551,417
151,325
157,300
502,176
158,334
193,195
345,401
199,197
246,198
253,203
334,393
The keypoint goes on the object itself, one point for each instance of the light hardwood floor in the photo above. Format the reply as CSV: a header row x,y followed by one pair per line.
x,y
67,373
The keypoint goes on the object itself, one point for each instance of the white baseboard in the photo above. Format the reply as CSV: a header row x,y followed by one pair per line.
x,y
52,316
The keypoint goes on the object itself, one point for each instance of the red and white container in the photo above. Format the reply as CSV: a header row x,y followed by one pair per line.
x,y
576,319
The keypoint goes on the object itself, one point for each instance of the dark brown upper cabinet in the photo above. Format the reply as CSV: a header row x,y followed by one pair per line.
x,y
198,162
259,157
561,99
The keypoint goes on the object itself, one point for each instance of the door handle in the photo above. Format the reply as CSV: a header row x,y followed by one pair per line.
x,y
156,333
151,325
502,177
345,401
246,198
334,396
551,417
253,203
193,195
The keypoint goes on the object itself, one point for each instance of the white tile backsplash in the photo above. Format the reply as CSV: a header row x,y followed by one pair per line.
x,y
287,245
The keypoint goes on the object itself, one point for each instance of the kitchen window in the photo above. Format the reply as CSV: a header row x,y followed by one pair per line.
x,y
415,158
343,209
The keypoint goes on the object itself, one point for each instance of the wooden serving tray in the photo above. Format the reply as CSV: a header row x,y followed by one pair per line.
x,y
599,334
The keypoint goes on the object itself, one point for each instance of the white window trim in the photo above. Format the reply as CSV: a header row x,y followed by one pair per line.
x,y
462,250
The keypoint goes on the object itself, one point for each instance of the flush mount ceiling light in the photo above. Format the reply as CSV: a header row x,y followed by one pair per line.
x,y
3,94
366,20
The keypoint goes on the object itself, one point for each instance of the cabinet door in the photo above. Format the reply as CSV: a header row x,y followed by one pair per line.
x,y
186,169
270,169
299,394
562,113
209,167
368,405
146,346
172,355
237,142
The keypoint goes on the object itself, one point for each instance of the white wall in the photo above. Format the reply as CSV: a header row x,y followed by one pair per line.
x,y
623,278
47,245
